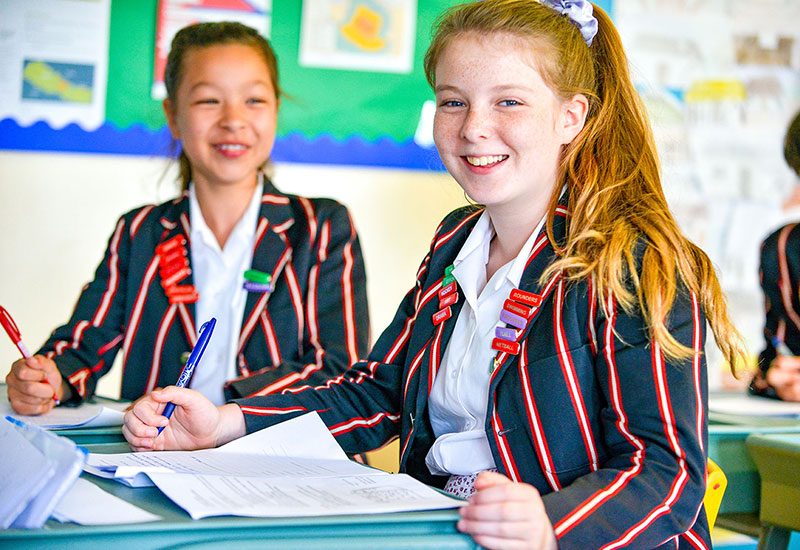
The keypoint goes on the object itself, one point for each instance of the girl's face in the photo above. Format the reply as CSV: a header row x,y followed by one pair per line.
x,y
498,127
225,113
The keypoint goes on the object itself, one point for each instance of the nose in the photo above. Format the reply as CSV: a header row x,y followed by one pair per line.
x,y
477,125
233,116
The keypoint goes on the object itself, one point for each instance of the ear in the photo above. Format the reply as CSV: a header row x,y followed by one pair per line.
x,y
573,117
169,113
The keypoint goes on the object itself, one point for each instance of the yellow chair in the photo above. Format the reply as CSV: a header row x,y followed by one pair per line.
x,y
716,482
715,488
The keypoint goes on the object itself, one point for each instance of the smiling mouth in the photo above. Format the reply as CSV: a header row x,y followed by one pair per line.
x,y
489,160
230,147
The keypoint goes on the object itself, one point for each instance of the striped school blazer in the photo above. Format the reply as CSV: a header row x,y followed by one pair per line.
x,y
311,327
588,411
779,274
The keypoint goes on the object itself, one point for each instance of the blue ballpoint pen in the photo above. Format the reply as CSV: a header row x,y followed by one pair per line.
x,y
194,359
781,347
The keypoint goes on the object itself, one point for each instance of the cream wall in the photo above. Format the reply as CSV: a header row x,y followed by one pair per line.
x,y
58,210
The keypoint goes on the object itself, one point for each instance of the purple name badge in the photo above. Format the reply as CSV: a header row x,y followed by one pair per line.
x,y
506,333
513,319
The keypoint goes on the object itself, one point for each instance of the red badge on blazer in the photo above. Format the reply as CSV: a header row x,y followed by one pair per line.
x,y
445,290
173,266
448,300
498,344
519,309
527,298
442,315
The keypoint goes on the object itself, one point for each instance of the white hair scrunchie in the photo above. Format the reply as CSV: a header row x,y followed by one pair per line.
x,y
579,12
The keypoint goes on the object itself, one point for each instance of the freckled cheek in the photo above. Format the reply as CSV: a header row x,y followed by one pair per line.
x,y
445,132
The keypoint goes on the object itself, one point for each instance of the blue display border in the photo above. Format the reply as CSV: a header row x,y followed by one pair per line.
x,y
142,141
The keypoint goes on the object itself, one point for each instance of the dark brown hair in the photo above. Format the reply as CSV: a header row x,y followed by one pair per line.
x,y
204,35
791,146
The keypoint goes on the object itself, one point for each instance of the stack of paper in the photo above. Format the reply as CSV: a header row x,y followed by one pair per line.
x,y
38,467
272,473
88,415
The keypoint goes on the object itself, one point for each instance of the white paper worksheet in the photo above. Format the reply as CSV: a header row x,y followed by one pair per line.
x,y
203,495
272,473
87,504
87,415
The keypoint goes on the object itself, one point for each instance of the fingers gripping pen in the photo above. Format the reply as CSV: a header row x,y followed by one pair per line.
x,y
194,359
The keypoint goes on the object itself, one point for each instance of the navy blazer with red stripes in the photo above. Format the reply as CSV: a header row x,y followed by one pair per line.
x,y
313,326
589,412
779,274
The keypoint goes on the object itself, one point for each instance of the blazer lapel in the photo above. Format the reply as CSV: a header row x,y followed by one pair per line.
x,y
176,224
542,256
420,382
271,253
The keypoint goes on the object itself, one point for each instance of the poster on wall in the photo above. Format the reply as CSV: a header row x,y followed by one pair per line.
x,y
173,15
359,35
55,62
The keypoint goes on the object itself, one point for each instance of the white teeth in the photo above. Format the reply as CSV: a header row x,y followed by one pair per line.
x,y
230,147
485,161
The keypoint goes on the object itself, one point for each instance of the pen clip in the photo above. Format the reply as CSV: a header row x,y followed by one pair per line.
x,y
11,327
197,352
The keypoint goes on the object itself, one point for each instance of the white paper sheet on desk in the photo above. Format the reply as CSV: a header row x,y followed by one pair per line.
x,y
274,473
203,496
751,405
86,416
212,462
272,452
87,504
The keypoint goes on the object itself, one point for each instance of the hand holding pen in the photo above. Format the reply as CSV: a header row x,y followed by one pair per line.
x,y
33,382
194,359
784,372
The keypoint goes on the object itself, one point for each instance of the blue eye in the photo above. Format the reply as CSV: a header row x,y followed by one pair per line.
x,y
256,100
207,101
451,103
509,102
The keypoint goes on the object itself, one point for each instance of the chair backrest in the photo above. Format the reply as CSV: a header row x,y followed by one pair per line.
x,y
715,488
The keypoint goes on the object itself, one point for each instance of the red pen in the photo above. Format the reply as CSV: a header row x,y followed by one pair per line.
x,y
13,332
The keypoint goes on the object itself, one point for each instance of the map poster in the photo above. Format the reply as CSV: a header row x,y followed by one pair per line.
x,y
173,15
360,35
54,61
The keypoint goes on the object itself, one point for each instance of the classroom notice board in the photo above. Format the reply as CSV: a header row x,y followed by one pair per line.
x,y
330,116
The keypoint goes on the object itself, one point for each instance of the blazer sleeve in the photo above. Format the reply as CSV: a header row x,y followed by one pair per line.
x,y
651,486
775,313
85,347
362,406
336,332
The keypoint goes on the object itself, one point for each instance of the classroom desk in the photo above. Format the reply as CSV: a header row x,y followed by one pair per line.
x,y
410,530
777,457
727,435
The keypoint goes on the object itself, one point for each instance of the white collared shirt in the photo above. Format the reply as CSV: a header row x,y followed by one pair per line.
x,y
460,394
218,278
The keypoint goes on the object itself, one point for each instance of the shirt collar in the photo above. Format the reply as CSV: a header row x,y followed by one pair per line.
x,y
514,273
245,228
469,266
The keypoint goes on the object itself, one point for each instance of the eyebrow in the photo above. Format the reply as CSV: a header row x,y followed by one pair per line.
x,y
499,88
214,85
